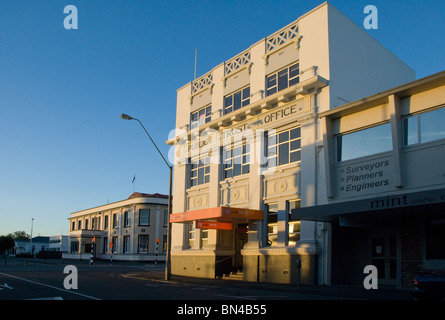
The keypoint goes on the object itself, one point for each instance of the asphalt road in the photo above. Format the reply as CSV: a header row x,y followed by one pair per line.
x,y
123,284
118,281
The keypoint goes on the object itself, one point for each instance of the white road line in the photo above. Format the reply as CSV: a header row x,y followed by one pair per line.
x,y
46,285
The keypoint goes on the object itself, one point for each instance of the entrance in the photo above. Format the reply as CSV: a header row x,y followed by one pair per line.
x,y
240,241
385,256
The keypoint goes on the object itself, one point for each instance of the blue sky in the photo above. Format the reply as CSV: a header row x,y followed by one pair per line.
x,y
63,146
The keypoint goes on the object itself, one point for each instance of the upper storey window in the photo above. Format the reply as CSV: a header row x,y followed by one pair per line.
x,y
283,79
200,117
424,127
237,100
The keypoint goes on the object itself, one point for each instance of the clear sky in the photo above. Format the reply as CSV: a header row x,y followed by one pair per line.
x,y
63,147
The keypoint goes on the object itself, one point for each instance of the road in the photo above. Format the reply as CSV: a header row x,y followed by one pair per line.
x,y
117,281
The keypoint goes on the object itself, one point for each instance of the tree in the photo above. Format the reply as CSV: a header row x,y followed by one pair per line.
x,y
6,243
19,235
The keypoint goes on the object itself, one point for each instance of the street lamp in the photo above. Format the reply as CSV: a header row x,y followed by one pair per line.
x,y
167,258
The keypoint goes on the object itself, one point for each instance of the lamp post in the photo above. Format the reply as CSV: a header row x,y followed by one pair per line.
x,y
167,258
30,239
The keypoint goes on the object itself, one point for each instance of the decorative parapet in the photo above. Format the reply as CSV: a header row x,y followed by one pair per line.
x,y
237,63
202,83
282,37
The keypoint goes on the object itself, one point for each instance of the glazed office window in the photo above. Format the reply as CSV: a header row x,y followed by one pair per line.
x,y
283,79
144,217
364,142
293,224
200,117
424,127
272,225
199,172
284,147
236,159
143,244
237,100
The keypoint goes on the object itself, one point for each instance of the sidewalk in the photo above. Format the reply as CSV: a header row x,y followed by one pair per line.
x,y
336,291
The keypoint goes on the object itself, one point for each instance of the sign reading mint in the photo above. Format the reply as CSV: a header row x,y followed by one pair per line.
x,y
357,178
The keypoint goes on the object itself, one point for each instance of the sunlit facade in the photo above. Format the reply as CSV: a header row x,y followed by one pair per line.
x,y
131,229
248,149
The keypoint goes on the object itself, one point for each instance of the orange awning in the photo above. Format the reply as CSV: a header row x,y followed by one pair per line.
x,y
219,213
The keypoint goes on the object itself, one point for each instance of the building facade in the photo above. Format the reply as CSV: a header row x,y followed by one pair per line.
x,y
385,182
248,149
131,229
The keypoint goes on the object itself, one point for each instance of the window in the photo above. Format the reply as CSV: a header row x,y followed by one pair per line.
x,y
204,237
144,217
272,227
237,100
164,239
435,238
74,246
424,127
126,244
283,79
165,218
79,225
143,244
73,226
86,224
114,242
105,245
200,172
106,222
191,234
284,147
200,117
294,225
115,220
364,142
126,219
236,159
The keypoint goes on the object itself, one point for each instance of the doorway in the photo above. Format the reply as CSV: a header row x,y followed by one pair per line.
x,y
385,256
240,240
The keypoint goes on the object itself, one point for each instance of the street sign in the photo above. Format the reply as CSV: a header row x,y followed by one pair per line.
x,y
214,225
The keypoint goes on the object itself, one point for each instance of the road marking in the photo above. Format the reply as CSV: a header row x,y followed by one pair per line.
x,y
5,286
52,287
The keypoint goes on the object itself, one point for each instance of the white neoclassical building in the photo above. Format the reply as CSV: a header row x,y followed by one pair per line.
x,y
131,229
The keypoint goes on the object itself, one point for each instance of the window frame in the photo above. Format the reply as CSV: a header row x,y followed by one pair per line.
x,y
244,158
339,143
206,114
244,100
273,141
286,79
196,166
148,218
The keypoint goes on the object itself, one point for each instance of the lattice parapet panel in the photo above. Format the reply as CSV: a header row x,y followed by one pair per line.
x,y
282,37
202,82
236,63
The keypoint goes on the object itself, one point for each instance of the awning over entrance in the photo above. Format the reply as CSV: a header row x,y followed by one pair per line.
x,y
392,203
218,213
